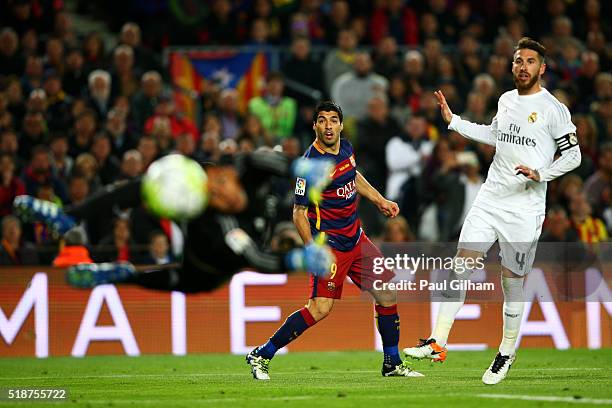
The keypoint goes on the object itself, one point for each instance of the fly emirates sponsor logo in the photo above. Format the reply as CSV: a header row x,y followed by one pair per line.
x,y
346,191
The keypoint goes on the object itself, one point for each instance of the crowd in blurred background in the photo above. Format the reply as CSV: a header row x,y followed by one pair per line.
x,y
78,112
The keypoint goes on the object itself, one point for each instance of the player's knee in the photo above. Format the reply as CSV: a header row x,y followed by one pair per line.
x,y
320,308
466,261
385,297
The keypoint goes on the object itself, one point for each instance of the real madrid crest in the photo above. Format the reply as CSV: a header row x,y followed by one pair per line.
x,y
533,117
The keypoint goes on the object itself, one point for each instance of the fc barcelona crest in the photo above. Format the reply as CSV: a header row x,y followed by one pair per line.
x,y
533,117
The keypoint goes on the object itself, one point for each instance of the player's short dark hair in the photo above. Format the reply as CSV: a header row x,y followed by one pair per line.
x,y
531,44
327,106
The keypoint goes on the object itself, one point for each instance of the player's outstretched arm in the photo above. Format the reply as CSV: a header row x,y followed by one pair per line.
x,y
479,133
387,207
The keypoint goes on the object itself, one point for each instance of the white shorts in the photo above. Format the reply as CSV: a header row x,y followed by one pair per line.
x,y
517,234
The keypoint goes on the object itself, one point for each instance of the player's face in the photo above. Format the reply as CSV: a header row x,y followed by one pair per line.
x,y
527,69
226,192
328,128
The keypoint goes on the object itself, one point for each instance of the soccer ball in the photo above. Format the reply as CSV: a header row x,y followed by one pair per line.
x,y
175,187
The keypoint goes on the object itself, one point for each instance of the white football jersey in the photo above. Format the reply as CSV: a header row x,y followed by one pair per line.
x,y
526,130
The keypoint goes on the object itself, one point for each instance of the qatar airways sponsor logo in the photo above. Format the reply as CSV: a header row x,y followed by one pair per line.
x,y
346,191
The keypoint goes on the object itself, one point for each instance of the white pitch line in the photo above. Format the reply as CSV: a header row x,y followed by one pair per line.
x,y
279,373
571,400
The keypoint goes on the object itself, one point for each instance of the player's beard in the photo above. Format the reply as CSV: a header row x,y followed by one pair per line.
x,y
525,86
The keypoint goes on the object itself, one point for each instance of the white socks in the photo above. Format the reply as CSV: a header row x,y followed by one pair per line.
x,y
514,305
449,307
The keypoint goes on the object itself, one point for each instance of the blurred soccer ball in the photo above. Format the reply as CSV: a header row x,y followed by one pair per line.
x,y
175,187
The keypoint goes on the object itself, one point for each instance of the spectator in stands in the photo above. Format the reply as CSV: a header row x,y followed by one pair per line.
x,y
303,69
54,57
83,133
32,74
405,156
386,62
413,71
107,164
259,33
14,250
394,18
74,79
10,61
596,42
264,9
78,189
94,54
591,230
276,112
352,90
10,145
396,230
86,165
100,100
185,145
161,134
64,29
15,106
602,178
11,186
230,117
149,149
131,165
209,148
118,246
340,60
221,26
34,133
158,250
456,183
398,99
58,102
144,59
146,99
29,43
124,75
116,129
558,227
337,19
61,162
373,134
39,172
179,124
498,69
476,109
73,249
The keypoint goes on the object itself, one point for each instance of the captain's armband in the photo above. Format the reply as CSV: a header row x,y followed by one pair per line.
x,y
567,142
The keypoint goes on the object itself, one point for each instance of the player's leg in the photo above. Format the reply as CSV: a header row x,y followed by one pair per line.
x,y
518,247
323,291
512,285
123,195
386,314
477,236
296,324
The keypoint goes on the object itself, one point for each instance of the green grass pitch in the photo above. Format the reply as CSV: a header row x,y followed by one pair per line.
x,y
539,377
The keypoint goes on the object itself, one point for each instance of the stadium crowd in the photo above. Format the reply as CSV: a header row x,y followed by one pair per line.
x,y
76,115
